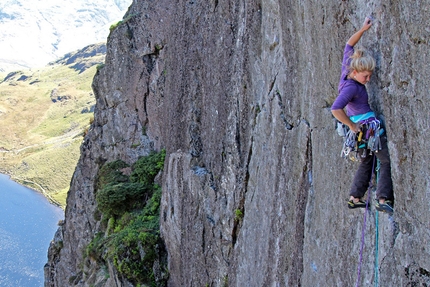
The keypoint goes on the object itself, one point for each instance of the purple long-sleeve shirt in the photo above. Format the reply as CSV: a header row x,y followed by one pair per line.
x,y
352,94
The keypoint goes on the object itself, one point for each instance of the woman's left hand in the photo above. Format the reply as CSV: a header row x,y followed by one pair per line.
x,y
367,24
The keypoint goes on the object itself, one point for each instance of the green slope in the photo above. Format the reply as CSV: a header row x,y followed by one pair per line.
x,y
44,114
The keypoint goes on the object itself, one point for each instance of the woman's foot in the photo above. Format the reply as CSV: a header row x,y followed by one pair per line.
x,y
385,205
356,203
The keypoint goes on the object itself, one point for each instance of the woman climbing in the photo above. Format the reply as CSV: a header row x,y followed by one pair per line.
x,y
357,68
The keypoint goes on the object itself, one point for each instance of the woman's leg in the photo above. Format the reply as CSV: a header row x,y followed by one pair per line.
x,y
385,184
362,177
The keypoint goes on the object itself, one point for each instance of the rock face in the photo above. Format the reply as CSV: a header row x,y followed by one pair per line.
x,y
254,189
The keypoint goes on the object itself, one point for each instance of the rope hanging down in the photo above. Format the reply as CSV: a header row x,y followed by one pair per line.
x,y
376,283
363,231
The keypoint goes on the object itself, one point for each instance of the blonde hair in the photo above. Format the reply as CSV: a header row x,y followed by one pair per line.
x,y
361,61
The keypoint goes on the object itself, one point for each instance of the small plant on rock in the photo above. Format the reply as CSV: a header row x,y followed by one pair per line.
x,y
130,206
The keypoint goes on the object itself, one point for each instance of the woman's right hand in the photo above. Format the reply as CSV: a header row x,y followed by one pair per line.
x,y
355,127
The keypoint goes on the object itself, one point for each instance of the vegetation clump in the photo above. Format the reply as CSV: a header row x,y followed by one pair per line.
x,y
130,206
125,20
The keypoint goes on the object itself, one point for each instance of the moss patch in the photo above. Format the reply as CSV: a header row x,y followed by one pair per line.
x,y
130,209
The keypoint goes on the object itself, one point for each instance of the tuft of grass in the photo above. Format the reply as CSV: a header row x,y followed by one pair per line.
x,y
238,214
115,25
100,66
125,20
130,204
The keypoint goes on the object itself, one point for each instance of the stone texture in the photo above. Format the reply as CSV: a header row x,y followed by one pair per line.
x,y
254,189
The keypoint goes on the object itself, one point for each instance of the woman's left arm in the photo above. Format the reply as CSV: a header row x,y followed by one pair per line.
x,y
357,35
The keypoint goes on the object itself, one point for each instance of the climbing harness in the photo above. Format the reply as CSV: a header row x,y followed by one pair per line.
x,y
368,139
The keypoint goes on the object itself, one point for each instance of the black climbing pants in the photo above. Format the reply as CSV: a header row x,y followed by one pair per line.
x,y
363,175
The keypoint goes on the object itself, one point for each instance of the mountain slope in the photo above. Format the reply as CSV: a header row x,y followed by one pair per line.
x,y
44,114
33,33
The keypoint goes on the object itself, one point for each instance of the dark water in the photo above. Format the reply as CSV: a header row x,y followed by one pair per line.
x,y
27,225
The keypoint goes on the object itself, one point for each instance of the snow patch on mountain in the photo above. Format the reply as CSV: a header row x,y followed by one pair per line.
x,y
35,32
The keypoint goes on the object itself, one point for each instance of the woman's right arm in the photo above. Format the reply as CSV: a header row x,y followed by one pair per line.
x,y
357,35
341,116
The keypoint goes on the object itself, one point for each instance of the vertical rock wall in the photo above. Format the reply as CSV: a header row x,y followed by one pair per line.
x,y
254,190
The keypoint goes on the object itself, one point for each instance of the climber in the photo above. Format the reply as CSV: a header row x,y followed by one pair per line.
x,y
357,68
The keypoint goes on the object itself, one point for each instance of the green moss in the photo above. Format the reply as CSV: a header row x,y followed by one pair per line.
x,y
133,248
146,168
225,281
95,248
257,109
114,26
111,225
130,205
116,198
100,66
111,173
239,214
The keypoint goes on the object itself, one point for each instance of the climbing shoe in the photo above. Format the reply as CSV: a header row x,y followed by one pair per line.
x,y
359,204
387,207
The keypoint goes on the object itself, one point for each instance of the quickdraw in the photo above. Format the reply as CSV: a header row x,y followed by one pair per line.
x,y
368,139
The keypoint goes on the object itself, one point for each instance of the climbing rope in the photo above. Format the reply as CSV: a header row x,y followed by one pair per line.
x,y
376,249
376,283
367,140
363,231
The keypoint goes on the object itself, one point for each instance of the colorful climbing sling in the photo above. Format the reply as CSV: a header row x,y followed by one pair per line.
x,y
357,145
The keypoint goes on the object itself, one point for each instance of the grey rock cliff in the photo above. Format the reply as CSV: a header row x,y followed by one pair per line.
x,y
254,189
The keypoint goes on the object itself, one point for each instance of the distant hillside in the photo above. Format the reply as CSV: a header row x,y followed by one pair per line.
x,y
44,115
33,33
83,59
